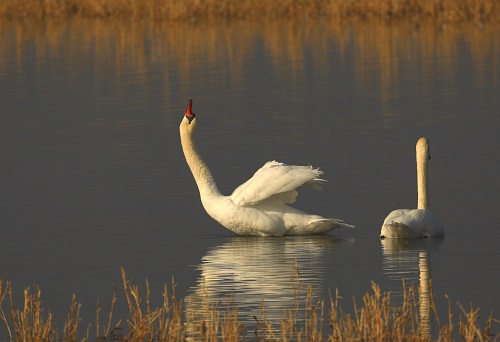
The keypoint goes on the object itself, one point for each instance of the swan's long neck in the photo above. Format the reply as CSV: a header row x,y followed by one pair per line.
x,y
422,188
201,173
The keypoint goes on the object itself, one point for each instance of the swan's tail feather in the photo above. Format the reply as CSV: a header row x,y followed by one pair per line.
x,y
342,224
320,226
332,224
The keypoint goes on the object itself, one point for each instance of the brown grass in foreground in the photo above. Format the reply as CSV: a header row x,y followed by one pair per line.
x,y
478,11
377,319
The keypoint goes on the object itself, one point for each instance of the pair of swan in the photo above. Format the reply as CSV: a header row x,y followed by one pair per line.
x,y
261,205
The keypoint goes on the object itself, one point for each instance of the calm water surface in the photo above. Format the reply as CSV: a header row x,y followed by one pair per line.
x,y
93,177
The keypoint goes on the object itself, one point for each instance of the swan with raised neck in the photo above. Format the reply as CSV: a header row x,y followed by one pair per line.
x,y
260,206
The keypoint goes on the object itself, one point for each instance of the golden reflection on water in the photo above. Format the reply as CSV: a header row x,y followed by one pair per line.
x,y
128,45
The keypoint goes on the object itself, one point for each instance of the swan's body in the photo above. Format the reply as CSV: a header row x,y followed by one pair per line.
x,y
420,222
260,206
411,223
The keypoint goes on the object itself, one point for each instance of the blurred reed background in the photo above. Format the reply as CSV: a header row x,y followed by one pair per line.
x,y
477,11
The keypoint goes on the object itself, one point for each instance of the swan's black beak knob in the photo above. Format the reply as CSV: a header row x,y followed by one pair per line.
x,y
189,111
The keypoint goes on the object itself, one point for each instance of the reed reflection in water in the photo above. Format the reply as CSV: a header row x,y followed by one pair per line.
x,y
262,276
124,48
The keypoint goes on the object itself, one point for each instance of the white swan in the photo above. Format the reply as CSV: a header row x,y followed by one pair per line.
x,y
415,223
260,205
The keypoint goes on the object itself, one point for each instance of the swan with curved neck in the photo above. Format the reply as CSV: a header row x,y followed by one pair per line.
x,y
260,206
420,222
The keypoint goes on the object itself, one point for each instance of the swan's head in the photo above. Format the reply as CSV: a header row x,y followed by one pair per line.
x,y
423,148
189,111
188,123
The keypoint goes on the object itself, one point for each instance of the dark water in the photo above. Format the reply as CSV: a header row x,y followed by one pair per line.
x,y
93,177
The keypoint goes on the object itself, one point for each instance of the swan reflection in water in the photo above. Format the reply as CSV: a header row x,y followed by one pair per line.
x,y
409,259
252,272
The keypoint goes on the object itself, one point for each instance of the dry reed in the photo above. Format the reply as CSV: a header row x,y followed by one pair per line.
x,y
377,319
442,10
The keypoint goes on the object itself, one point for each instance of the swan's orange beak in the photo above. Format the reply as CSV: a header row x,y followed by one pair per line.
x,y
189,111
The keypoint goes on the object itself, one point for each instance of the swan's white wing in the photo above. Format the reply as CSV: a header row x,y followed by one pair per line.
x,y
275,178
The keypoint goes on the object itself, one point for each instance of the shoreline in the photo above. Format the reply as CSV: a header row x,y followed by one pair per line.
x,y
477,12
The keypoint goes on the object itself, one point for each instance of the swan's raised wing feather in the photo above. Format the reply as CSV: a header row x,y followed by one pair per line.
x,y
274,178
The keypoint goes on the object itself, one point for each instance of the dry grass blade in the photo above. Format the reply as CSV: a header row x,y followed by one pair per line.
x,y
29,323
71,325
5,290
469,329
141,324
